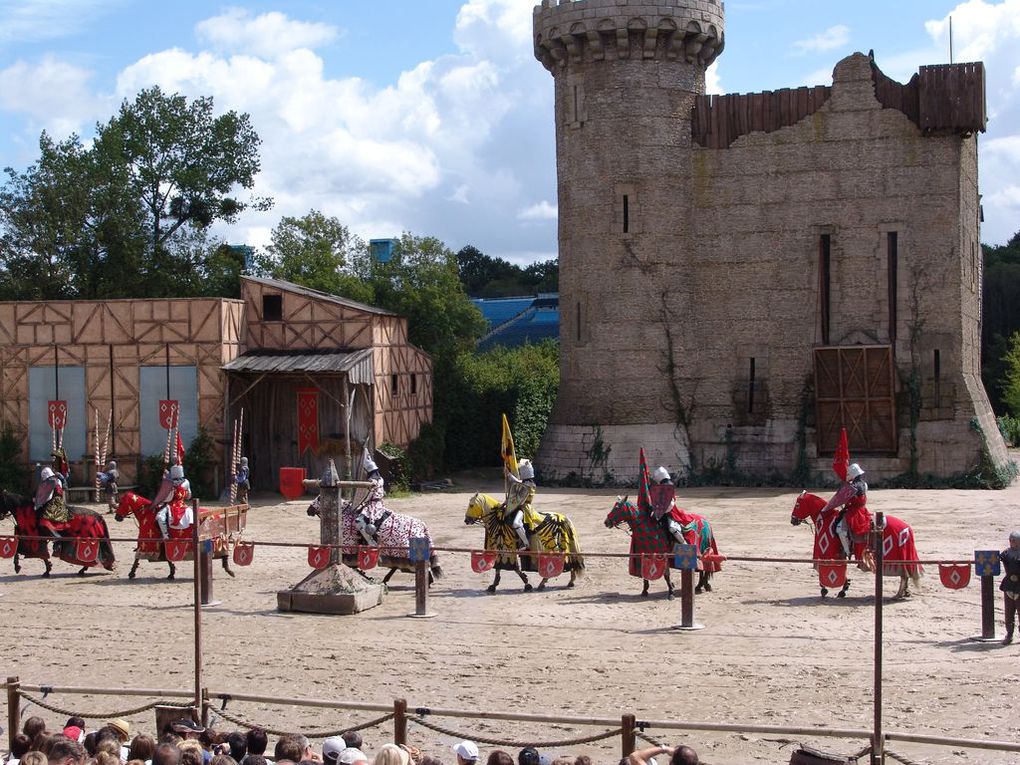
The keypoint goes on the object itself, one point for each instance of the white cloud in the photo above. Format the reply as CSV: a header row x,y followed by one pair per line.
x,y
268,35
55,95
831,39
540,211
34,20
713,82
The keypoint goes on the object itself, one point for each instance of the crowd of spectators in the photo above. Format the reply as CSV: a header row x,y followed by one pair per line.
x,y
185,742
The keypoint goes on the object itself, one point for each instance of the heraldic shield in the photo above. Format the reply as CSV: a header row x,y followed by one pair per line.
x,y
653,566
368,558
832,575
87,550
8,546
244,553
482,561
318,557
550,565
954,576
176,549
662,496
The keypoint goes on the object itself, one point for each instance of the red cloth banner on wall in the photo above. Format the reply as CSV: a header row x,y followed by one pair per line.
x,y
308,419
57,413
168,412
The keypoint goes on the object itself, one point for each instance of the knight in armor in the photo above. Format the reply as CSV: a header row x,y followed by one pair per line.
x,y
854,518
241,479
664,503
108,483
174,502
372,512
49,501
519,512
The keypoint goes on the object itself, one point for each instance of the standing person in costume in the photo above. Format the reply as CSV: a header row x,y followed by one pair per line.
x,y
49,501
854,520
108,483
173,501
241,479
1010,586
372,512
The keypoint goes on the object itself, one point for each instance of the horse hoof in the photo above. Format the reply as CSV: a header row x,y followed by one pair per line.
x,y
708,587
569,585
698,590
230,573
824,592
132,575
528,588
170,577
17,569
540,587
644,593
46,574
671,596
490,589
842,594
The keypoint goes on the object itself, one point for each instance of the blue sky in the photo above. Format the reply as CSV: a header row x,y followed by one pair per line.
x,y
432,116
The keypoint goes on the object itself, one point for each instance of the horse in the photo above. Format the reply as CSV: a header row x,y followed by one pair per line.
x,y
555,533
83,524
150,543
897,543
394,532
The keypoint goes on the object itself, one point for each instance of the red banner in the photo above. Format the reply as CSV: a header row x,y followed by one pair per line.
x,y
653,566
8,546
832,575
368,557
318,557
87,550
57,414
244,553
953,576
482,561
169,409
308,419
176,549
550,566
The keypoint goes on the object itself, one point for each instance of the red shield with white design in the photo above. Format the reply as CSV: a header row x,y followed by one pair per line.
x,y
87,550
832,575
482,561
368,557
8,546
653,566
662,497
318,557
168,409
244,553
550,566
57,411
955,577
176,549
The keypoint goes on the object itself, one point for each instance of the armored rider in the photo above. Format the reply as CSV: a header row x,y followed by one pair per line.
x,y
174,502
241,479
49,501
664,504
372,512
854,519
519,512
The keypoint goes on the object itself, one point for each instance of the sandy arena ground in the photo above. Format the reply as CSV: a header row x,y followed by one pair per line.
x,y
772,651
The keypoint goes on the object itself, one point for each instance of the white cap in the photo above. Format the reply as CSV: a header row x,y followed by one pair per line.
x,y
332,747
1015,536
854,471
352,756
177,473
368,462
467,749
660,475
526,470
46,474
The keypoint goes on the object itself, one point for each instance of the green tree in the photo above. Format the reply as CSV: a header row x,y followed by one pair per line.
x,y
484,276
1001,316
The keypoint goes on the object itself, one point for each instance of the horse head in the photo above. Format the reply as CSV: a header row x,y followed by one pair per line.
x,y
806,508
478,507
621,512
130,503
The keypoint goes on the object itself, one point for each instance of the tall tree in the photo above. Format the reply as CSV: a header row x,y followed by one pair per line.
x,y
1000,320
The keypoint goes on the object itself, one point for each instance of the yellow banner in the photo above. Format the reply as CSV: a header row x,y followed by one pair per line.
x,y
507,449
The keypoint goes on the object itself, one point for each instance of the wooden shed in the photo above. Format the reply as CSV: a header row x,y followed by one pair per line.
x,y
348,366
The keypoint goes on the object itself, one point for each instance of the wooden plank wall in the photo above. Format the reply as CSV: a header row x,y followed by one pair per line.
x,y
718,121
307,323
952,98
398,418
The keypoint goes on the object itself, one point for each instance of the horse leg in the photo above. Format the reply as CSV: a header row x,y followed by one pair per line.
x,y
389,575
173,570
670,594
644,590
134,568
842,592
904,590
541,585
49,567
825,591
226,566
708,580
17,563
700,587
83,570
524,578
573,575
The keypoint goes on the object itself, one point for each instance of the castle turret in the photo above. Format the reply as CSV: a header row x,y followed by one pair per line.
x,y
626,77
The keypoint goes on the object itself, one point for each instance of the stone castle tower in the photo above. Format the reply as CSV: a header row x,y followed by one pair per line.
x,y
742,275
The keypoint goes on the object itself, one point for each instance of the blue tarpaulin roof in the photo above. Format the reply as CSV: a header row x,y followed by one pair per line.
x,y
515,321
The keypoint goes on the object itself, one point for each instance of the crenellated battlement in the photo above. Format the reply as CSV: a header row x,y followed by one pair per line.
x,y
576,31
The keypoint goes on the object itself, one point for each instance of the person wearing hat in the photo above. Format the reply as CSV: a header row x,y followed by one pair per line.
x,y
520,494
173,501
1010,558
186,728
123,730
49,502
467,752
353,756
241,479
528,756
372,513
331,749
108,483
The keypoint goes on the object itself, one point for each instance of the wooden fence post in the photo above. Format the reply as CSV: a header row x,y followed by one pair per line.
x,y
627,740
13,710
400,721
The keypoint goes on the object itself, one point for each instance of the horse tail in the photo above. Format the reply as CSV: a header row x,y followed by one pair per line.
x,y
574,547
435,568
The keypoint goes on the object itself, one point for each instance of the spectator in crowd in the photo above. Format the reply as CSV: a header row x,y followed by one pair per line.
x,y
186,728
528,756
74,733
33,727
222,759
353,739
64,751
499,757
237,745
331,749
33,758
90,743
122,730
142,748
681,755
136,762
289,748
391,754
76,722
467,753
106,758
353,756
430,760
583,759
257,741
166,754
44,742
19,745
255,759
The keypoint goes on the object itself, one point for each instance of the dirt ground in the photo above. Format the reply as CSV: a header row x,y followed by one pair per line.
x,y
772,652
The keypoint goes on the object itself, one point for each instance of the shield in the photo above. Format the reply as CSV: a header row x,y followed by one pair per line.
x,y
550,565
954,576
368,557
44,492
517,494
663,496
57,411
87,550
986,563
244,553
164,494
318,557
685,557
653,566
8,546
844,494
419,549
832,575
482,561
168,410
176,549
291,485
